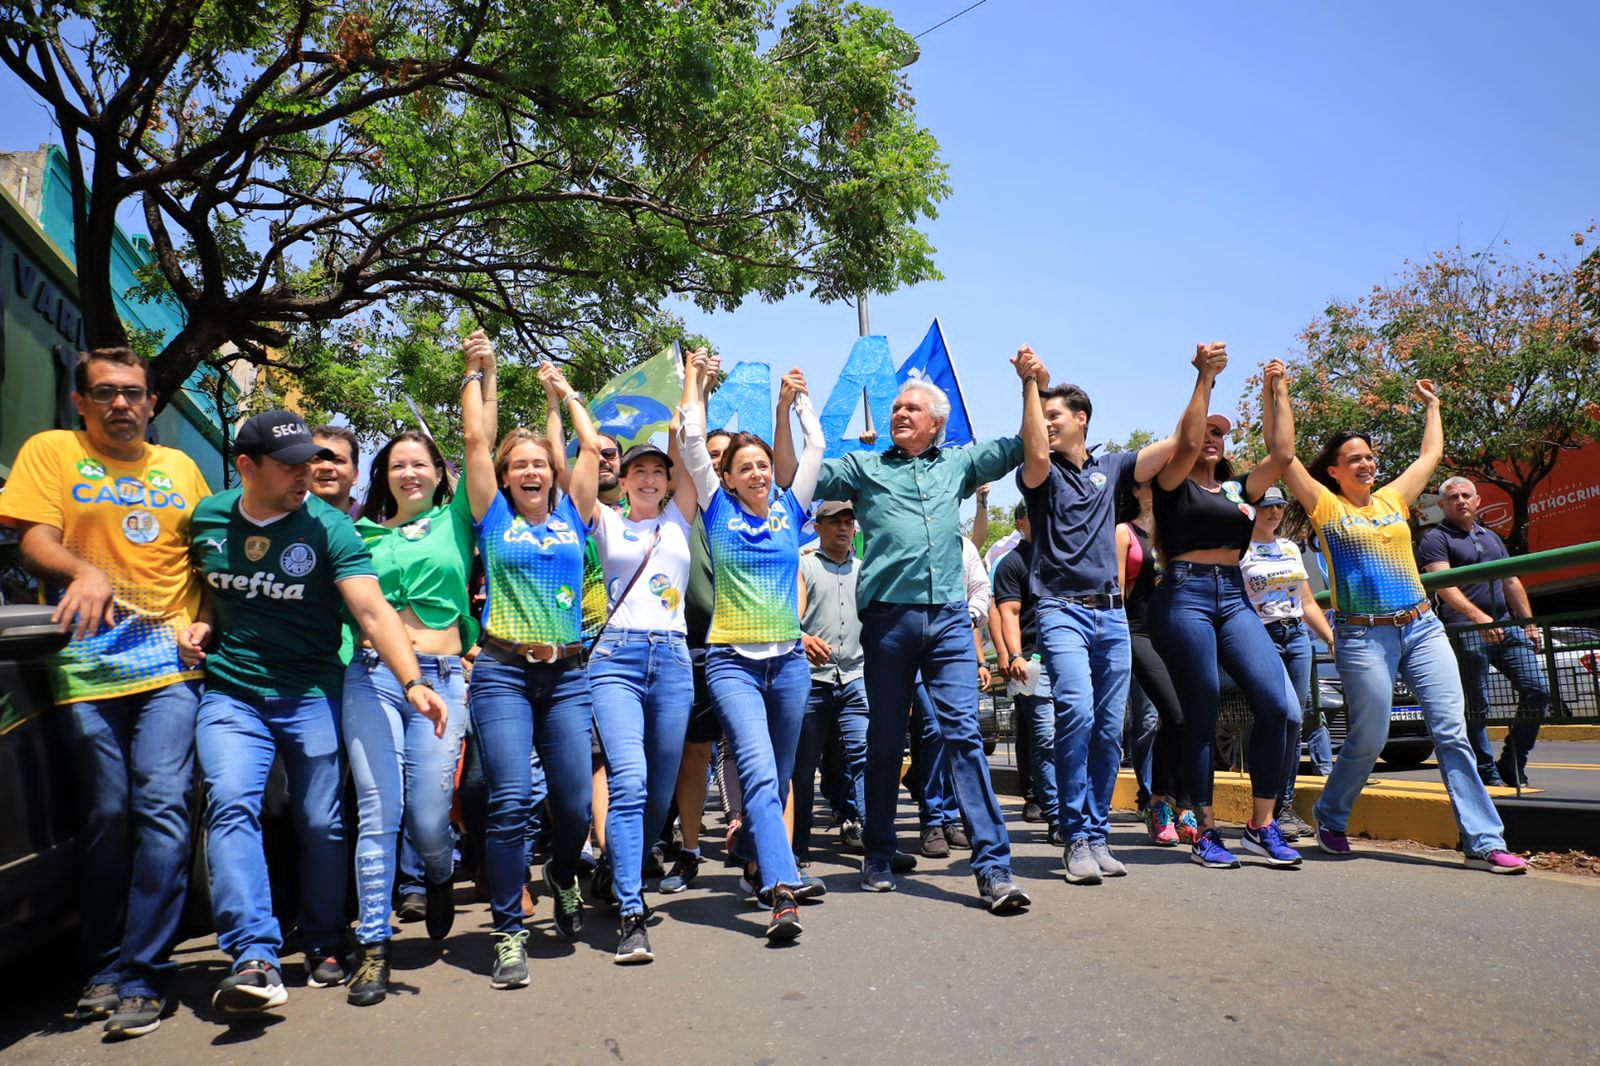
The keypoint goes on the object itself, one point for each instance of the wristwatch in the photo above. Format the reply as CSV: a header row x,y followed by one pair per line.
x,y
417,682
1017,655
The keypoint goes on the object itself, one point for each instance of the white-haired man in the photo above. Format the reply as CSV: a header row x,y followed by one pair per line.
x,y
1460,540
912,602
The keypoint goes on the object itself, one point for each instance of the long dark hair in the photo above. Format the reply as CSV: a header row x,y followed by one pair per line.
x,y
381,505
1318,467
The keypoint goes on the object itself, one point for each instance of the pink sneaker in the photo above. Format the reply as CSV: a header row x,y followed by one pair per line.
x,y
1188,829
1497,862
1158,822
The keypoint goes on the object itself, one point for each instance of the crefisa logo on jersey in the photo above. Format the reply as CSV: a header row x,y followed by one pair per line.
x,y
256,584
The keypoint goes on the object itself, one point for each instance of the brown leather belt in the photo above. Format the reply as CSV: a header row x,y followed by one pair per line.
x,y
1398,619
523,654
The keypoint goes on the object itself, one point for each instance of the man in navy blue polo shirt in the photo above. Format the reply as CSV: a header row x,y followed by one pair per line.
x,y
1083,631
1461,541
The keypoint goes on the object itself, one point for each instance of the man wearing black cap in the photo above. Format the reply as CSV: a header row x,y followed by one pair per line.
x,y
278,566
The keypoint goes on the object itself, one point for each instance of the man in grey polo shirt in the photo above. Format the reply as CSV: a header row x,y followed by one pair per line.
x,y
832,636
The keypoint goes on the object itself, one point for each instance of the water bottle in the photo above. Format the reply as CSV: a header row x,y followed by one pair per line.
x,y
1031,682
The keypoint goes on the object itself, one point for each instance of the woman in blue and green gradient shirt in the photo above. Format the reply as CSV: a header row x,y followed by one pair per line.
x,y
529,687
755,665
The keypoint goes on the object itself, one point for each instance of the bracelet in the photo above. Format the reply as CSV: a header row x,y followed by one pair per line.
x,y
573,395
417,682
476,375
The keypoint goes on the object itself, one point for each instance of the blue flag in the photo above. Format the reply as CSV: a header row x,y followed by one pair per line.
x,y
931,363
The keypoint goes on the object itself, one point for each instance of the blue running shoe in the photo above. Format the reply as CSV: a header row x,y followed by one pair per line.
x,y
1268,841
1209,852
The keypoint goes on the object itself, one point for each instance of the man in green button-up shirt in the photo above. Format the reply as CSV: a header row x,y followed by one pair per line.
x,y
912,599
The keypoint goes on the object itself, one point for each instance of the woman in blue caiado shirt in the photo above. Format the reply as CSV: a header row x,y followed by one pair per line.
x,y
529,687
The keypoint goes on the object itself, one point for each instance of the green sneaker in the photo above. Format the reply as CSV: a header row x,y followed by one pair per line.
x,y
510,960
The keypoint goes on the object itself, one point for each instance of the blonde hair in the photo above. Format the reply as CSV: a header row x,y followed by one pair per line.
x,y
510,442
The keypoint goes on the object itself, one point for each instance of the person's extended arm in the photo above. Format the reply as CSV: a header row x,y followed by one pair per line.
x,y
383,629
785,464
1011,626
1124,538
1415,477
1035,438
1275,418
695,457
556,434
584,485
482,485
1183,447
1306,489
1521,609
88,599
1452,596
813,444
1315,618
980,520
983,665
684,490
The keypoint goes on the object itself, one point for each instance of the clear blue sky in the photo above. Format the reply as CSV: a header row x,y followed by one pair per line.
x,y
1129,179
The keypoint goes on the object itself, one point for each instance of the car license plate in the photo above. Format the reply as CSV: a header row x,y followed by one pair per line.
x,y
1405,714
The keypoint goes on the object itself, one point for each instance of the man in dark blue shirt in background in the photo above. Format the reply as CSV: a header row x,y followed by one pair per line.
x,y
1460,540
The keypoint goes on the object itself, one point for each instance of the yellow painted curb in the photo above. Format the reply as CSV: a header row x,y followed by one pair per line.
x,y
1387,810
1553,732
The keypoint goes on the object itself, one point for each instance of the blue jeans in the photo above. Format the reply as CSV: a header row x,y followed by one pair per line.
x,y
514,710
1086,652
1200,617
1514,656
236,738
900,640
1319,747
133,758
402,774
1294,648
1036,717
643,686
936,801
1144,723
833,710
762,703
1368,657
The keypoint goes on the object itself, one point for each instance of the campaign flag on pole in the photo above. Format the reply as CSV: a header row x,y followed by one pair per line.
x,y
931,362
639,402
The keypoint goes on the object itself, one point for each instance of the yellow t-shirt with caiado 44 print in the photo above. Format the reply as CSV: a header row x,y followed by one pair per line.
x,y
132,521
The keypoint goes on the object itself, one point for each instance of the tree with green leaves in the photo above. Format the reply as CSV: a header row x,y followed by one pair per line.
x,y
1513,350
549,170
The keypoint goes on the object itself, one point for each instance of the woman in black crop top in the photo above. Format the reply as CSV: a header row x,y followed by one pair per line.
x,y
1200,615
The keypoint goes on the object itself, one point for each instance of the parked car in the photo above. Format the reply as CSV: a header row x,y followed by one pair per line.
x,y
1409,744
38,818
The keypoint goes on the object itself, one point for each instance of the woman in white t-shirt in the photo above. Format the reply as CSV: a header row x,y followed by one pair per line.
x,y
1275,580
639,669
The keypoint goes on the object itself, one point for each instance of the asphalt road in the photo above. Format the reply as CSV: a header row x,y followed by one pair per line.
x,y
1389,956
1558,771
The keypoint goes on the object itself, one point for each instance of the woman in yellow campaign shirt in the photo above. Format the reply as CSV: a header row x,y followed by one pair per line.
x,y
1383,624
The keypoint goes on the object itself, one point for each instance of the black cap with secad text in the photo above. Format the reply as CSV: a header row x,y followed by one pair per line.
x,y
639,451
280,435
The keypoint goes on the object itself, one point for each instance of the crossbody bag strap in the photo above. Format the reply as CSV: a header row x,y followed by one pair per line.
x,y
612,606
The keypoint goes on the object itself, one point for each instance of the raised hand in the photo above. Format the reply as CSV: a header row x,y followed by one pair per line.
x,y
1274,376
1426,392
479,352
793,384
554,381
1211,359
1029,365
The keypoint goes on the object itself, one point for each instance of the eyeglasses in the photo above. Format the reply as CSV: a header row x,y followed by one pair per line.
x,y
608,453
106,395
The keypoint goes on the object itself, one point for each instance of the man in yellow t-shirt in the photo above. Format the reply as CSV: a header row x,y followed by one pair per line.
x,y
103,519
